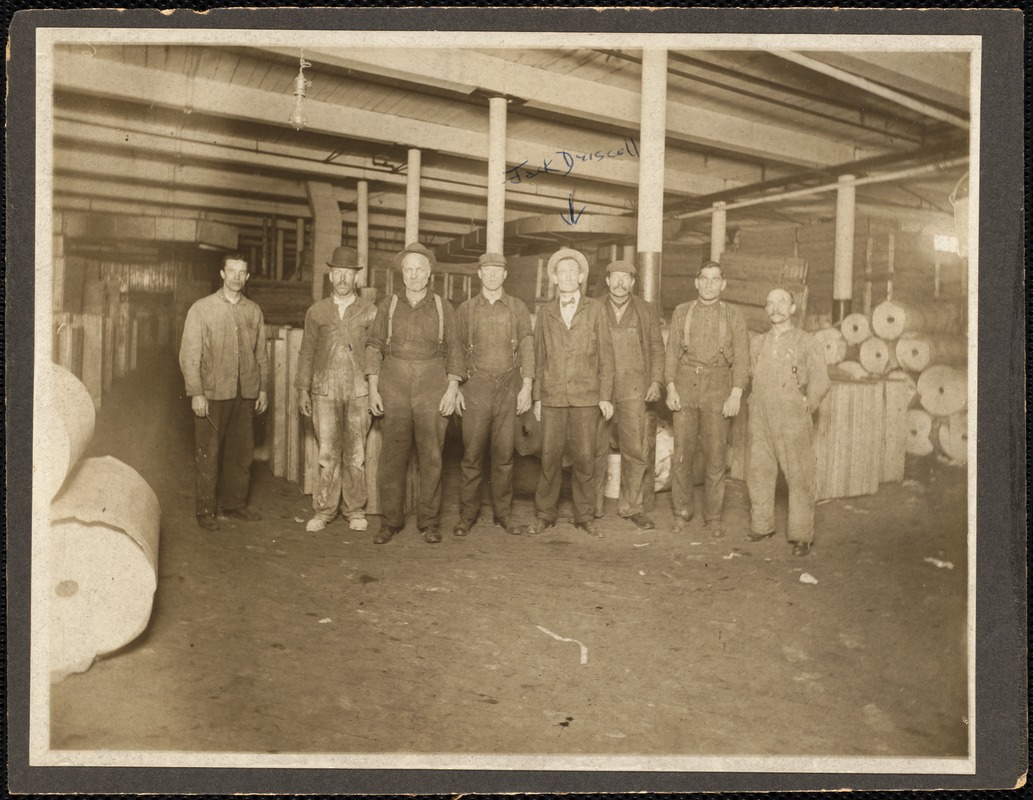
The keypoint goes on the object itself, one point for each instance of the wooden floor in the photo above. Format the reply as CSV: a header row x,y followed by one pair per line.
x,y
265,638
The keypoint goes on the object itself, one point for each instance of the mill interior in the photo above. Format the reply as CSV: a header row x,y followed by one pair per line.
x,y
840,174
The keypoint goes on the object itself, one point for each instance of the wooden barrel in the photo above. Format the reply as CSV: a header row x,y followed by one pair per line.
x,y
943,390
917,350
877,356
952,437
832,343
919,428
855,328
103,563
66,419
891,319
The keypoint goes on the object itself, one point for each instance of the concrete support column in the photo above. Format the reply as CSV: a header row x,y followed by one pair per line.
x,y
652,135
362,231
718,231
496,174
326,230
843,267
412,198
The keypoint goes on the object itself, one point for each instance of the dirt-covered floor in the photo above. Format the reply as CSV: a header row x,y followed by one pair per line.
x,y
265,638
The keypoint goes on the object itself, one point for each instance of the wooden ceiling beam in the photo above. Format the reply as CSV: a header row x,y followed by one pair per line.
x,y
96,77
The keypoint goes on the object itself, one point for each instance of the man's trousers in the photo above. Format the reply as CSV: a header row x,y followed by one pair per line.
x,y
700,423
341,427
572,428
224,445
629,418
411,391
489,420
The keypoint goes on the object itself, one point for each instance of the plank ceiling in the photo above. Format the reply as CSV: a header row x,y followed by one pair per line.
x,y
202,131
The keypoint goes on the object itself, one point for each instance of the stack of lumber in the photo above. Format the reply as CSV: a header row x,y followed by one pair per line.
x,y
924,347
749,278
95,349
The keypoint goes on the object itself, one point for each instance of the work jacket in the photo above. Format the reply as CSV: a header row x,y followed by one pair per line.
x,y
326,333
573,367
223,344
650,339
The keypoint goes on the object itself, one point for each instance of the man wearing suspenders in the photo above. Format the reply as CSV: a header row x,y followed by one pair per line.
x,y
573,385
708,364
638,351
495,329
789,381
414,363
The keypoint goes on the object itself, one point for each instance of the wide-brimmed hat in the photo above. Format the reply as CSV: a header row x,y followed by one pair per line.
x,y
621,266
491,260
419,249
344,258
567,252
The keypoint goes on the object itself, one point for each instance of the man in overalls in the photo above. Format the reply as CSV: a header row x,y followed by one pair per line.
x,y
638,354
495,329
332,389
790,379
708,364
414,362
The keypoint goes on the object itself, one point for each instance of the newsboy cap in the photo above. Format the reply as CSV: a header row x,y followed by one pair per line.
x,y
491,260
621,266
344,258
420,250
567,252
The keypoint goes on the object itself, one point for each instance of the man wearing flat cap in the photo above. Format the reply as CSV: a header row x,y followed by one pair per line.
x,y
415,363
332,389
708,364
638,354
573,385
494,329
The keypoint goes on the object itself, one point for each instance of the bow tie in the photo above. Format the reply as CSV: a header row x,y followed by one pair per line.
x,y
570,302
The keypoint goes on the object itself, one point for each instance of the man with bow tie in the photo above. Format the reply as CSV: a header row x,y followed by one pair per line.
x,y
573,385
638,349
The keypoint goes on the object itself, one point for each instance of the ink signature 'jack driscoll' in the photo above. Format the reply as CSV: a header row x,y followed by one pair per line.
x,y
566,162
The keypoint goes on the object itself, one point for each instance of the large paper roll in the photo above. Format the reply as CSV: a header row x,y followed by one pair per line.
x,y
66,420
918,441
878,356
916,350
855,328
104,563
943,390
953,437
833,343
891,319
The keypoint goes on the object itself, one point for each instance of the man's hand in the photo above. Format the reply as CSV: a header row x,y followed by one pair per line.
x,y
653,392
607,408
447,406
460,402
538,410
731,406
523,400
199,405
305,402
673,398
262,403
376,403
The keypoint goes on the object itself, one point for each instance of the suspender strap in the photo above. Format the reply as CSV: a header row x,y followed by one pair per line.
x,y
512,331
391,318
722,327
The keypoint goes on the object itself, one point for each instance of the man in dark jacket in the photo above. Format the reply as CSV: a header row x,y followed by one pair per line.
x,y
414,363
638,350
225,368
332,389
573,385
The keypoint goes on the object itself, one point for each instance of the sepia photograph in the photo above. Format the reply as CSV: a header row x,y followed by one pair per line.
x,y
530,401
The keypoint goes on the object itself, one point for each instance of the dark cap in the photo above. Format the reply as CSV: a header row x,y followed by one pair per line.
x,y
492,260
344,258
419,249
621,266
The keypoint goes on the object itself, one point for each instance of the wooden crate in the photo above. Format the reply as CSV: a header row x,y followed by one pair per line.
x,y
848,439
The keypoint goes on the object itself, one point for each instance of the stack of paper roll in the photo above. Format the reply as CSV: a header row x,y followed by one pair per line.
x,y
952,437
878,356
919,433
916,350
104,563
892,319
834,345
943,390
855,328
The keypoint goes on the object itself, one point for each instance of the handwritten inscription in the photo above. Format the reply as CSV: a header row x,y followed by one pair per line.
x,y
563,162
573,216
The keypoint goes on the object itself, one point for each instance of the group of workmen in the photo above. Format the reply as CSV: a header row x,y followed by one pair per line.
x,y
589,368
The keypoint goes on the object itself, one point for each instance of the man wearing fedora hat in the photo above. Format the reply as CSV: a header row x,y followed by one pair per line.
x,y
332,389
495,329
415,363
573,385
638,354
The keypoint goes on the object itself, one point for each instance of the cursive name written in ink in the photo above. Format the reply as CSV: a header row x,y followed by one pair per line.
x,y
564,162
